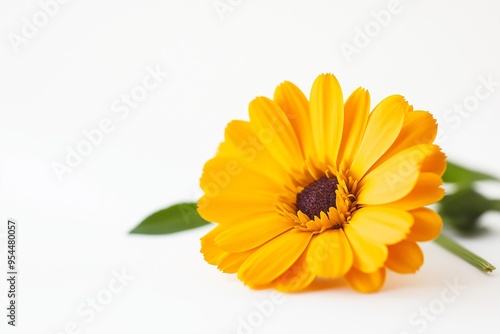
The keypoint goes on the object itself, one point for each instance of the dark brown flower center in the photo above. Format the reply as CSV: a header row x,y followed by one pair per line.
x,y
318,196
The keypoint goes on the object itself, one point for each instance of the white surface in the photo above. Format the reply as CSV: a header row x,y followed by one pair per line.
x,y
73,234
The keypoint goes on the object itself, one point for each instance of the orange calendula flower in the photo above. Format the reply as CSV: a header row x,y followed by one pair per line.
x,y
322,188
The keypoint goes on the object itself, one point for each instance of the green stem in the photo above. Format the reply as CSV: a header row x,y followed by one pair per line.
x,y
495,205
465,254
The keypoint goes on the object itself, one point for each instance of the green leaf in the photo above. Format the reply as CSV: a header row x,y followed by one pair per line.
x,y
176,218
463,209
463,176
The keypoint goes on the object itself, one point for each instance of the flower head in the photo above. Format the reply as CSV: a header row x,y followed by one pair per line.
x,y
322,188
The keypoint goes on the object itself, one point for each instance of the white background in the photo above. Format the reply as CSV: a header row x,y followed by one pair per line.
x,y
73,237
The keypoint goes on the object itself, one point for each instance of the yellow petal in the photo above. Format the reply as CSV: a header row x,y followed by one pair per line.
x,y
427,190
251,233
211,252
244,145
427,225
419,127
405,257
231,208
382,224
435,163
296,108
225,174
356,111
327,117
394,178
382,129
297,277
368,255
330,255
365,282
231,262
234,192
274,130
274,258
